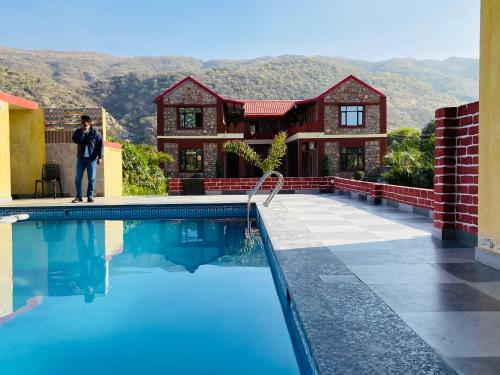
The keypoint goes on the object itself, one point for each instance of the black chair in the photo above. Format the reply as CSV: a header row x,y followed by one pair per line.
x,y
50,173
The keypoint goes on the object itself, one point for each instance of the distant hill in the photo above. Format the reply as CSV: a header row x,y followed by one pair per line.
x,y
127,86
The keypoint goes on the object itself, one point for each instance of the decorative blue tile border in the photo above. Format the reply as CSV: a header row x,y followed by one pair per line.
x,y
125,212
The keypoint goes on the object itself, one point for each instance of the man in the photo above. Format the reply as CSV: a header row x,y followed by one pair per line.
x,y
89,154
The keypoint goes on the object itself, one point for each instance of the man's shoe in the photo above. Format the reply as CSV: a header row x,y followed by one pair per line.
x,y
90,200
77,200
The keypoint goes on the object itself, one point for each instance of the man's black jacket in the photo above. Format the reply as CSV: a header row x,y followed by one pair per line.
x,y
92,139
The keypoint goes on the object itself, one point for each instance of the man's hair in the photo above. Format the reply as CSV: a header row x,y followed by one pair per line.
x,y
86,118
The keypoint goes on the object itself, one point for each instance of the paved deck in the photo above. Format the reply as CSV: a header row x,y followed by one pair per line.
x,y
374,292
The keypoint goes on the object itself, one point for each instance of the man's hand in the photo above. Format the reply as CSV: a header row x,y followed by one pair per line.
x,y
99,161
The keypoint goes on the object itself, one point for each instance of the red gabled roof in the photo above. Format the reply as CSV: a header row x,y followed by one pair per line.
x,y
260,108
16,101
349,77
199,84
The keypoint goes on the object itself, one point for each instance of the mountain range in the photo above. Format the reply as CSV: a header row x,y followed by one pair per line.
x,y
127,86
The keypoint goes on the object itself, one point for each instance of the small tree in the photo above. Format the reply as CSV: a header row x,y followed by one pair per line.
x,y
273,159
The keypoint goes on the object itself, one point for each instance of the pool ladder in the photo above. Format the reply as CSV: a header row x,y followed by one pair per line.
x,y
275,191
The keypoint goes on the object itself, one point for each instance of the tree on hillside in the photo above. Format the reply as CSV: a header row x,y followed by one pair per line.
x,y
403,139
273,159
410,157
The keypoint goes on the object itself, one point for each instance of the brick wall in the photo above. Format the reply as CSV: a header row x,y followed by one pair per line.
x,y
174,186
245,184
347,184
423,198
456,169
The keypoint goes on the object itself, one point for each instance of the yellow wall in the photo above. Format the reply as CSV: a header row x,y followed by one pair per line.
x,y
5,192
489,127
104,124
112,172
6,279
27,145
113,240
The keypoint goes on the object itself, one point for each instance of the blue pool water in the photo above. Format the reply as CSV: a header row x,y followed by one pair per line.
x,y
138,297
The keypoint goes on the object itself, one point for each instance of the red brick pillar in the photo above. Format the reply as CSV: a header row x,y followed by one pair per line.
x,y
456,173
444,173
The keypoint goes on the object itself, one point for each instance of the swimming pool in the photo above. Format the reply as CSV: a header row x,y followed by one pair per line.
x,y
138,296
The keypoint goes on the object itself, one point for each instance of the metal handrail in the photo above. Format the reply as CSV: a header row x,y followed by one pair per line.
x,y
275,191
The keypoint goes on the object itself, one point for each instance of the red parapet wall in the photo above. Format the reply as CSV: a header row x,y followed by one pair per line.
x,y
245,184
346,184
174,186
456,168
423,198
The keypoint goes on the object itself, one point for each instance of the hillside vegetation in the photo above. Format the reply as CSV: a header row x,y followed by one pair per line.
x,y
127,86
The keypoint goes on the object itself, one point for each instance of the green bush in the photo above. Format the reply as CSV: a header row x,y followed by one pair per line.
x,y
142,174
359,175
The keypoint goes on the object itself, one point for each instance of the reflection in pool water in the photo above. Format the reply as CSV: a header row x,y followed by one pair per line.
x,y
185,297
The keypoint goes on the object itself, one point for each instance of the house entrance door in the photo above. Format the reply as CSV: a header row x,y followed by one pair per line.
x,y
309,159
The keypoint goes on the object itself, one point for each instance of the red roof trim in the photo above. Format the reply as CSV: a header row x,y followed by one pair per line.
x,y
199,84
17,101
349,77
113,145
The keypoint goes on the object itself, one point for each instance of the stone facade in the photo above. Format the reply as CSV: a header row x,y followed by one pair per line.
x,y
371,118
190,94
209,122
352,92
333,154
172,168
372,157
209,159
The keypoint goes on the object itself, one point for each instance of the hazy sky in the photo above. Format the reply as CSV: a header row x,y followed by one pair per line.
x,y
365,29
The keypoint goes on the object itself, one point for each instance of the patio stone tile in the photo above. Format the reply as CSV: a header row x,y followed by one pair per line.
x,y
402,274
474,272
423,297
490,288
458,334
476,365
361,256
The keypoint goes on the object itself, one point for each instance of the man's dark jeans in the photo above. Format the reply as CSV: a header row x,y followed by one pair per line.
x,y
91,167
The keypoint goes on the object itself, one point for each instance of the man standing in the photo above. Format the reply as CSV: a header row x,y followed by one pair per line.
x,y
89,154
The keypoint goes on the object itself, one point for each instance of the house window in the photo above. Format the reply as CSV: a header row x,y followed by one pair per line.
x,y
190,117
351,115
190,160
352,158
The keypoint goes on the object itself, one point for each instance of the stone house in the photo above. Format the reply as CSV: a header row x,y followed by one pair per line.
x,y
346,125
